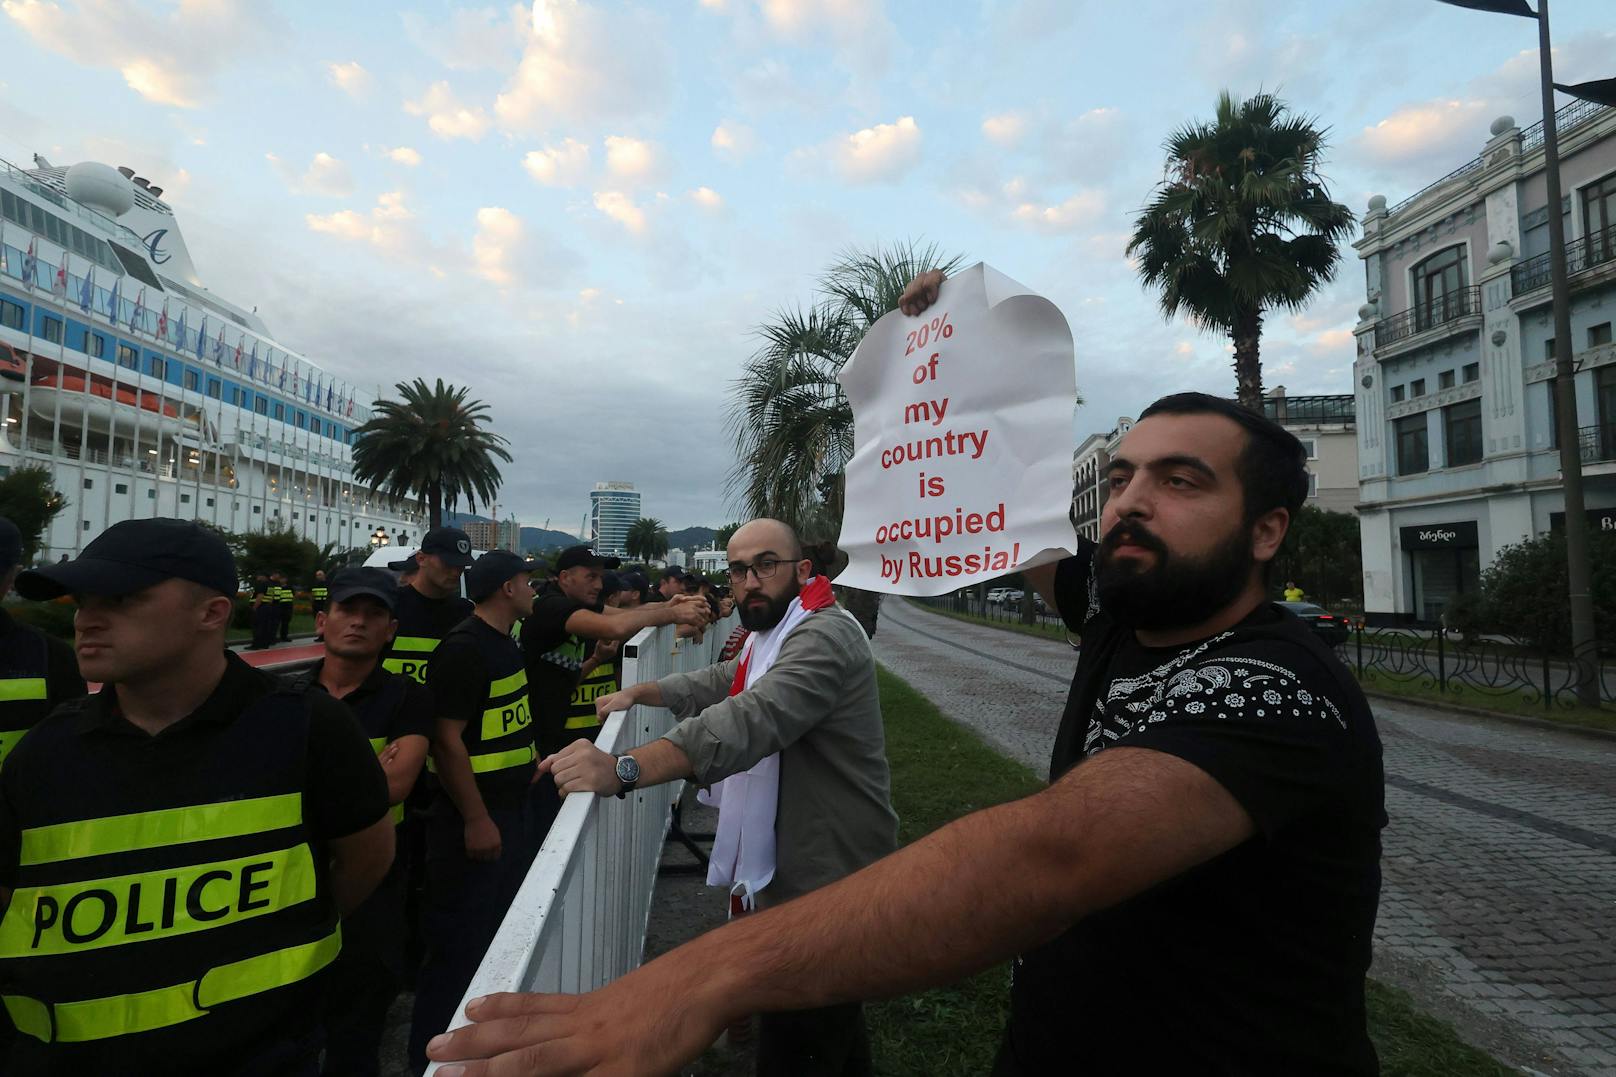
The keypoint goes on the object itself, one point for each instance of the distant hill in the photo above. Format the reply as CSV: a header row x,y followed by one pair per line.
x,y
691,538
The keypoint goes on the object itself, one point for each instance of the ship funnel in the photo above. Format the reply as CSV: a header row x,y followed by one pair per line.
x,y
128,173
100,187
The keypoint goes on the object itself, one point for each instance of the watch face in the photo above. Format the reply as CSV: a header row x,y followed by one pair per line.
x,y
628,769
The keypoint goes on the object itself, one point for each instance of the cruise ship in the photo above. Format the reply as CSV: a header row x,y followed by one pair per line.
x,y
144,394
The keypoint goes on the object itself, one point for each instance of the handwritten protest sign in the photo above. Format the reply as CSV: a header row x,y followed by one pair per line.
x,y
962,440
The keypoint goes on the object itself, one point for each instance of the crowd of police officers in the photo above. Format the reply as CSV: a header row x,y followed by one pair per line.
x,y
209,870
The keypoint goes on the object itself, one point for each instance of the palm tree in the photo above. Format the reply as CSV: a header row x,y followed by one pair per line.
x,y
792,424
1242,222
647,539
430,446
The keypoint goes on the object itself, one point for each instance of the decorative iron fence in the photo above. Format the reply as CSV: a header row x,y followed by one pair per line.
x,y
1001,608
1582,253
1435,311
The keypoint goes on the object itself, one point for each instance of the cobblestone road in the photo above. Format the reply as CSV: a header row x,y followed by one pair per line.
x,y
1498,909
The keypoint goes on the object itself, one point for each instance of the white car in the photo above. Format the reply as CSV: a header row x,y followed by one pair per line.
x,y
999,594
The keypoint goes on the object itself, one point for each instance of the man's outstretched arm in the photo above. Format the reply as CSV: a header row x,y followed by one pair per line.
x,y
985,887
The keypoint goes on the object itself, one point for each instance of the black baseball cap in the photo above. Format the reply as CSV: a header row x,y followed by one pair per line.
x,y
449,543
409,564
611,583
134,555
490,571
673,571
578,557
378,583
10,544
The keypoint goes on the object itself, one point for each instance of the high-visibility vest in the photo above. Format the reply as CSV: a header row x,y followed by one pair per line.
x,y
598,682
318,593
502,735
284,596
422,624
177,909
24,697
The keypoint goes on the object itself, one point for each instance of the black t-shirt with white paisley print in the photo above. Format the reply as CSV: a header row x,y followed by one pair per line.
x,y
1254,962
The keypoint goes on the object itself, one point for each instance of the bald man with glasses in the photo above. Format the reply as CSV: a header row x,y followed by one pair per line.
x,y
802,694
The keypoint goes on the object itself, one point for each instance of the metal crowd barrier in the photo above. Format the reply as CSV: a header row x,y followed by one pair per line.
x,y
580,918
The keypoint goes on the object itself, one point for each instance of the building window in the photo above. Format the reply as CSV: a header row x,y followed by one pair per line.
x,y
151,495
128,357
1439,284
1598,334
1444,380
185,499
1472,372
86,525
1416,388
51,329
1554,412
120,488
1397,394
1412,455
1599,218
192,380
1461,425
209,502
1312,485
257,509
1312,447
95,345
1548,350
89,484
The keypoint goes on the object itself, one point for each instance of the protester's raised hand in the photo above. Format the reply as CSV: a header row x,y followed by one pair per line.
x,y
921,292
605,706
581,767
691,610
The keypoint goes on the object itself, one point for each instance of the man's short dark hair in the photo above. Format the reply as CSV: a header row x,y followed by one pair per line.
x,y
1273,465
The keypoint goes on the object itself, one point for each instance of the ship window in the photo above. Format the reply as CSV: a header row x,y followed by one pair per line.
x,y
11,315
192,380
136,266
120,488
151,495
231,393
51,329
280,411
261,404
213,388
127,357
185,499
95,345
210,502
89,484
86,525
257,509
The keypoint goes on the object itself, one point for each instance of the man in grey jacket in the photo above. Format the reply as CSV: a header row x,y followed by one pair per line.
x,y
817,706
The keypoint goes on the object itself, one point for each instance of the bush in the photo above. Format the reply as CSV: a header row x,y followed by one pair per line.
x,y
1524,591
28,500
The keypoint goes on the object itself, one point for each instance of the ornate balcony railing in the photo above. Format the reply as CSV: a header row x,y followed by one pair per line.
x,y
1590,250
1597,443
1428,315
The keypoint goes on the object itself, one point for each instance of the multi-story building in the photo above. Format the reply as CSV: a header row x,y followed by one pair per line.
x,y
613,508
1326,426
484,534
1088,493
710,560
1454,374
510,534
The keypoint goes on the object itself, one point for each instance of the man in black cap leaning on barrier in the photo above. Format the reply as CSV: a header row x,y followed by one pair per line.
x,y
396,715
478,840
175,850
37,671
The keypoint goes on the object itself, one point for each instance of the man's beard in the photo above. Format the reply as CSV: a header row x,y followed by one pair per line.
x,y
761,619
1175,592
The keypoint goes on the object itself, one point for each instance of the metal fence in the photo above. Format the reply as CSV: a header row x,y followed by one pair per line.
x,y
579,920
1004,610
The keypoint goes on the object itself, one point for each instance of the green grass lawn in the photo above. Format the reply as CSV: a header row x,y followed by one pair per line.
x,y
941,771
302,625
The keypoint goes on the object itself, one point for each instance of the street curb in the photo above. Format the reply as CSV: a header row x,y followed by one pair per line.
x,y
1481,712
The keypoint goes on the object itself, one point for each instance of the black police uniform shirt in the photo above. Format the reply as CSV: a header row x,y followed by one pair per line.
x,y
171,903
422,624
1254,962
478,677
37,673
555,660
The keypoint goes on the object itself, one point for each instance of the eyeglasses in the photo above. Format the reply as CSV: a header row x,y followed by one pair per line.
x,y
762,568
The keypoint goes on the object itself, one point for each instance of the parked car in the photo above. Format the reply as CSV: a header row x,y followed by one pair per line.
x,y
998,595
1327,626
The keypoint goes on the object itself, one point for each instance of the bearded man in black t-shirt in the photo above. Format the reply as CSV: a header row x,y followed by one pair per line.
x,y
1194,893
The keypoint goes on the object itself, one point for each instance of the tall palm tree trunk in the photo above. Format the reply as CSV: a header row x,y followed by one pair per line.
x,y
1247,338
434,505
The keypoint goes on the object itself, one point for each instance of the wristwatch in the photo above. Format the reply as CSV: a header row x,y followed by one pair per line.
x,y
628,773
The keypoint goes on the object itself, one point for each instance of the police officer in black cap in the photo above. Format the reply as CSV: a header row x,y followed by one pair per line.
x,y
484,759
37,671
175,851
396,714
430,604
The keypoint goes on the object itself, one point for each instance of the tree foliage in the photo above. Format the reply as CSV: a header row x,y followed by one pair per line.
x,y
29,500
647,539
1323,554
278,550
1523,593
1242,222
430,446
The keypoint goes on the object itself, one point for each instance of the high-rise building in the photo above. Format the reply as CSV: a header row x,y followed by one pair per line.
x,y
484,534
613,508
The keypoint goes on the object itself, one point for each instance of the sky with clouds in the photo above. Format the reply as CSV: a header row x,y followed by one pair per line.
x,y
582,209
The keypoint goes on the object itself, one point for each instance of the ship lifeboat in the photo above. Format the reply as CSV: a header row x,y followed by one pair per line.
x,y
12,368
102,405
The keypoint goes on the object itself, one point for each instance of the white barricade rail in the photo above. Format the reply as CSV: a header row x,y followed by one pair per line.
x,y
579,920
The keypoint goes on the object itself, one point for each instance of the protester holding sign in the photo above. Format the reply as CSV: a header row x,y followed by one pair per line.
x,y
1195,892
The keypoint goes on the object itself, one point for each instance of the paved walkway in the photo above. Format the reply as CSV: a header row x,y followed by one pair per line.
x,y
1498,909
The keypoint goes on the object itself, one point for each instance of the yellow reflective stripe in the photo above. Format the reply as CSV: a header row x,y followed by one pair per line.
x,y
482,764
153,829
96,913
376,745
583,721
8,741
503,721
506,685
20,688
123,1015
416,644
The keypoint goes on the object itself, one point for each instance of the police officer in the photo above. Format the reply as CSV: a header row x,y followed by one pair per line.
x,y
396,714
175,851
37,671
284,597
263,613
484,759
430,604
319,597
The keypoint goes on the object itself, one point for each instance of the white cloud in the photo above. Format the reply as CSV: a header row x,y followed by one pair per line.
x,y
621,208
733,140
631,159
580,62
1430,129
386,227
563,165
326,175
494,246
405,156
173,58
859,31
707,198
1080,209
447,116
1005,129
351,78
469,39
883,152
